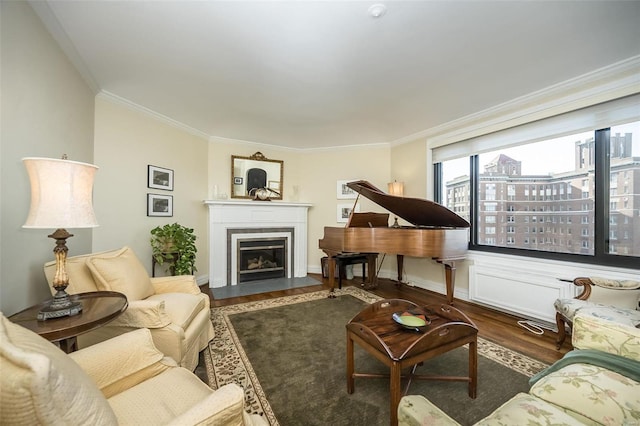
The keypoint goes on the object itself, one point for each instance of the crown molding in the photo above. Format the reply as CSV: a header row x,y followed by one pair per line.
x,y
608,83
103,94
605,84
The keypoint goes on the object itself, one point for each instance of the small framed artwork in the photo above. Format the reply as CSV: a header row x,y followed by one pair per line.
x,y
344,192
159,205
159,178
344,211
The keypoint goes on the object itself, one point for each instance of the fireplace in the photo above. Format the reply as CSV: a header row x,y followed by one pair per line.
x,y
261,258
232,222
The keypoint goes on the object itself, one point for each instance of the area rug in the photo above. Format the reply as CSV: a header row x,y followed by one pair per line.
x,y
288,354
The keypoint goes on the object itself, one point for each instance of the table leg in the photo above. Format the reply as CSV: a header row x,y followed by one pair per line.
x,y
350,364
394,392
473,368
69,344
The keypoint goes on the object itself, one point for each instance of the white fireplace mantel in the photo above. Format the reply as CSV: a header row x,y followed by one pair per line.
x,y
246,215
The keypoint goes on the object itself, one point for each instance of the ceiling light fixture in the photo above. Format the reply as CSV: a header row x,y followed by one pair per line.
x,y
377,10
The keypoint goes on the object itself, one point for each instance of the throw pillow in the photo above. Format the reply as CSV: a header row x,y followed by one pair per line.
x,y
123,272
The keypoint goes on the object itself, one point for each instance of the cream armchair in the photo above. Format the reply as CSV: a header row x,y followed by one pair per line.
x,y
173,308
123,381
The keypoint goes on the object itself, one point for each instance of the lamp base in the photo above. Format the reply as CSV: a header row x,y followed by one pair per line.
x,y
395,223
61,306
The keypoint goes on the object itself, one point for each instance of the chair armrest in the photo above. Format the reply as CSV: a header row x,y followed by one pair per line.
x,y
586,284
591,332
176,284
123,361
143,314
223,407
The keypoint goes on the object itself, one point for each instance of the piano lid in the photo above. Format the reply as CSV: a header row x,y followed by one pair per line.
x,y
416,211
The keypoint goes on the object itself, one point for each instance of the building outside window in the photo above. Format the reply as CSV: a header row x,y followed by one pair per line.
x,y
563,185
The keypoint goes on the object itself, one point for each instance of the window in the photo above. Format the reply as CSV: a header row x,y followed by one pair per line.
x,y
624,146
588,178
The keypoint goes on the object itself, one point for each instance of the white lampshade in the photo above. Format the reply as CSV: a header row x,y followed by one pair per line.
x,y
61,193
396,188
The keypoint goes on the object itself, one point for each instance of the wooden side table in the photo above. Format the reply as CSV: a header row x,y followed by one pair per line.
x,y
375,331
98,308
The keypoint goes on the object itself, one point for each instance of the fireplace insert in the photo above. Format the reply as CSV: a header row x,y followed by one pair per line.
x,y
262,258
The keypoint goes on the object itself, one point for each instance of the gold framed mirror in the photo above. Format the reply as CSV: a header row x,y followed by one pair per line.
x,y
250,174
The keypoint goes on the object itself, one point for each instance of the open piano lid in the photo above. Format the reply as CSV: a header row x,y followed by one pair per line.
x,y
417,211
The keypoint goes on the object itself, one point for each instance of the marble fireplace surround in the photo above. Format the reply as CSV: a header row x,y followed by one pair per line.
x,y
230,221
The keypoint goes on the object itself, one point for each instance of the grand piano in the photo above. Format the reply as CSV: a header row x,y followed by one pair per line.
x,y
437,233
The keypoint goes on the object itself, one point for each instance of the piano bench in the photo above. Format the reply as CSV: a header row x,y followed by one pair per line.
x,y
343,260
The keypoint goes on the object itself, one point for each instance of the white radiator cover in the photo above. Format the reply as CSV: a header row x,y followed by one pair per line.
x,y
528,287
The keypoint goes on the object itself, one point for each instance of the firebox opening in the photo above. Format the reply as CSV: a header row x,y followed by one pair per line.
x,y
262,258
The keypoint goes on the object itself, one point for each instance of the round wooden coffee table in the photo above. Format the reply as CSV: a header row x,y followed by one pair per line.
x,y
98,308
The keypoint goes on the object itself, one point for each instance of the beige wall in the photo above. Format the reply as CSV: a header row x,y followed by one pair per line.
x,y
126,142
47,111
319,172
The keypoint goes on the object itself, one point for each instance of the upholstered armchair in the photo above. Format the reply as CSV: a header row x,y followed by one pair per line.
x,y
614,300
124,380
173,308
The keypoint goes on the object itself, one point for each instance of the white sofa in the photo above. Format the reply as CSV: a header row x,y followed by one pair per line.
x,y
173,308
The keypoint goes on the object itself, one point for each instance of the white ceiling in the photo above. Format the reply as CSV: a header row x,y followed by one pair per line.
x,y
319,74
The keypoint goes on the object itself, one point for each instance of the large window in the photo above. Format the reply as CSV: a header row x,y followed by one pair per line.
x,y
585,187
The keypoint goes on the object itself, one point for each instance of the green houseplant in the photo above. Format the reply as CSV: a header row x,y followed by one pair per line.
x,y
174,244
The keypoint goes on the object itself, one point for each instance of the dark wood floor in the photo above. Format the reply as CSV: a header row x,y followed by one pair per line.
x,y
493,325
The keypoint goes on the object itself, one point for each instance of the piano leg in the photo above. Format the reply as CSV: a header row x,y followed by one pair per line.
x,y
372,279
400,261
450,277
331,264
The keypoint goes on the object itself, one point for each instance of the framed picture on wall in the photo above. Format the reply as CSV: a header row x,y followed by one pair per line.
x,y
159,205
344,211
159,178
344,192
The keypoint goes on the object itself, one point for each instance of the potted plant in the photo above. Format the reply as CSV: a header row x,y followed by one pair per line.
x,y
176,245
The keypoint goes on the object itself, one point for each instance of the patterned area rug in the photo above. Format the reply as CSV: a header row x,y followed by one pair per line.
x,y
227,362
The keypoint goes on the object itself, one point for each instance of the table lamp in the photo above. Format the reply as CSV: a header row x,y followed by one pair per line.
x,y
396,188
61,197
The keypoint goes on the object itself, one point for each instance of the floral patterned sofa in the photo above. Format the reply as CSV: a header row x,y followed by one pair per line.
x,y
598,383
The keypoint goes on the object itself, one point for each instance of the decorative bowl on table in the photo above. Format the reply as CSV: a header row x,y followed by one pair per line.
x,y
410,320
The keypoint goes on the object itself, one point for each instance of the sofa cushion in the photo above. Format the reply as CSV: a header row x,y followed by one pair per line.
x,y
121,271
592,332
182,308
591,392
569,307
160,399
40,384
416,410
524,409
